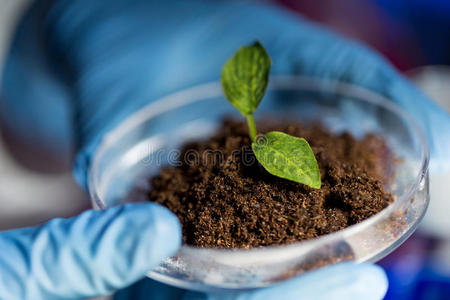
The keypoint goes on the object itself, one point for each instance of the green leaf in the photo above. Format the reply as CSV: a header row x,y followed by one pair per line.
x,y
288,157
245,77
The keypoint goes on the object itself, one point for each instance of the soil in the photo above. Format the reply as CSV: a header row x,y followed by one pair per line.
x,y
224,198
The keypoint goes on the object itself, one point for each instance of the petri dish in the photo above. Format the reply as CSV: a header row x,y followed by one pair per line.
x,y
150,139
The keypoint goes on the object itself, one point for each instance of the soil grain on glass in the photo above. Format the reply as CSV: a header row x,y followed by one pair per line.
x,y
224,198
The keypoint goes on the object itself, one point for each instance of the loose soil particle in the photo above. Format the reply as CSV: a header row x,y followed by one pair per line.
x,y
224,198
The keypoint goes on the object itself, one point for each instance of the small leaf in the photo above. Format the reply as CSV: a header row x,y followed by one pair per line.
x,y
245,77
288,157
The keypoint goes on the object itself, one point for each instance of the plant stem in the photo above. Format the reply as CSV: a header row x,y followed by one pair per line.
x,y
251,127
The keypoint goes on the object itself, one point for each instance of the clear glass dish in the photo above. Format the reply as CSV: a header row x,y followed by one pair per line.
x,y
148,140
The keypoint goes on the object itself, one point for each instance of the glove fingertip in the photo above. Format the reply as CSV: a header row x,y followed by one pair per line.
x,y
371,278
165,233
128,241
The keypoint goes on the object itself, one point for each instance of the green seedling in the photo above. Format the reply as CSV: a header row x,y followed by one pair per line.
x,y
244,81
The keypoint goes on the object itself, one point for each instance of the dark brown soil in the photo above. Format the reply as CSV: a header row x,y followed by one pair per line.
x,y
224,197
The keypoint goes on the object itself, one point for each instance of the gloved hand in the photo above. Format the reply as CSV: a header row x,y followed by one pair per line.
x,y
99,61
92,254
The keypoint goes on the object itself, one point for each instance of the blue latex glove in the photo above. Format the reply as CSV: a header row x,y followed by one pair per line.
x,y
99,61
92,254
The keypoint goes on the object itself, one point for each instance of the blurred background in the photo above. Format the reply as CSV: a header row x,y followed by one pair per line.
x,y
413,34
